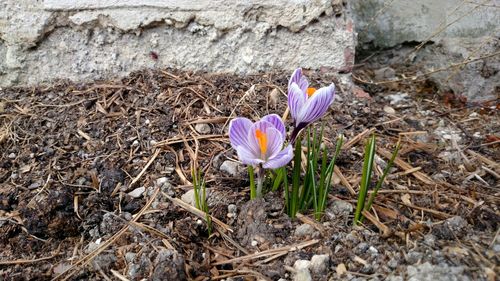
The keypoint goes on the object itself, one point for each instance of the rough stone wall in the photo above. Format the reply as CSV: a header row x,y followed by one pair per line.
x,y
90,39
455,31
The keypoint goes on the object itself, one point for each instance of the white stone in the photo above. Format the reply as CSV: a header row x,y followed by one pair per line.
x,y
189,197
319,264
230,167
203,128
304,230
136,193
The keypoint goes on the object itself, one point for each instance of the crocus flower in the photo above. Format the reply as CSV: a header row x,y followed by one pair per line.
x,y
260,143
306,104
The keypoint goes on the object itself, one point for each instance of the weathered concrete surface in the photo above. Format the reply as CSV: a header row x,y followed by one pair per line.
x,y
455,31
386,23
90,39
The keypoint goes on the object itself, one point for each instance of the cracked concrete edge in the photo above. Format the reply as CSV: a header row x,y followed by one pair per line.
x,y
94,44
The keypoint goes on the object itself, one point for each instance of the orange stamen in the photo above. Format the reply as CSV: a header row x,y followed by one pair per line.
x,y
310,91
262,139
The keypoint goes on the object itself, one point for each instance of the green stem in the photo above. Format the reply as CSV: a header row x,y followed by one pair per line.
x,y
296,178
252,182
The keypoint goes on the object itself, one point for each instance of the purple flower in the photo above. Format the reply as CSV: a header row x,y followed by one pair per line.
x,y
307,105
260,143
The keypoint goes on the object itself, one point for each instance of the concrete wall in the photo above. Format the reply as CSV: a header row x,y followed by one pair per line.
x,y
386,23
92,39
457,31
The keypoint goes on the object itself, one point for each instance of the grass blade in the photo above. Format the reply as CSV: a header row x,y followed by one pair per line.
x,y
365,177
382,178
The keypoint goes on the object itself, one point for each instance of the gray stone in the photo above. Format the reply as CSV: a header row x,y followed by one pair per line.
x,y
203,128
231,168
341,207
136,193
429,272
304,230
189,197
413,257
384,73
319,264
407,20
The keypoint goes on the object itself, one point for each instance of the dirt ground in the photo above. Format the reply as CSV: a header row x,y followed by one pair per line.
x,y
91,176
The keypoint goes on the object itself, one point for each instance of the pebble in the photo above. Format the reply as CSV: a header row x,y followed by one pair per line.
x,y
304,230
230,167
373,250
429,272
203,128
341,207
302,270
413,257
189,198
161,181
319,264
384,73
451,228
389,110
397,98
361,248
12,155
136,193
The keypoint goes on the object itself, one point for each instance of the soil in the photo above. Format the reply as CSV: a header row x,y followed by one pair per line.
x,y
90,173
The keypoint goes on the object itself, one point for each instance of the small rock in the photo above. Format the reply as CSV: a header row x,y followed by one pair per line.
x,y
429,272
304,230
136,193
414,257
12,155
232,208
389,110
230,167
451,228
302,270
203,128
189,198
319,264
373,250
254,243
274,98
161,181
302,275
129,256
384,73
361,248
341,207
393,263
430,240
397,98
341,270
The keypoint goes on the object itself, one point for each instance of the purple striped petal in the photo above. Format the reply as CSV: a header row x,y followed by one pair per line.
x,y
248,157
299,79
238,131
317,105
280,159
277,122
296,100
274,142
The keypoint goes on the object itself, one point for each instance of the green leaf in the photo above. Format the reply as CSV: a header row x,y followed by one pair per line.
x,y
365,177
